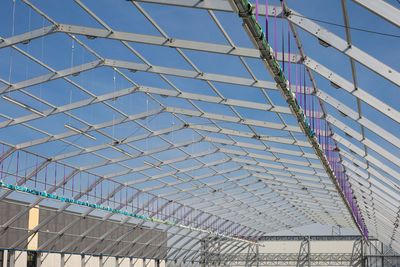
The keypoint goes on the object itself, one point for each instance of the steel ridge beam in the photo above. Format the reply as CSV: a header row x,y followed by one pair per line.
x,y
88,128
269,158
189,74
139,67
146,89
259,147
250,135
52,76
25,37
233,119
381,9
128,140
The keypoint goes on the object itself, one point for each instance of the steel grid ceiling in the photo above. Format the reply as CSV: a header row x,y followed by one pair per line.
x,y
164,113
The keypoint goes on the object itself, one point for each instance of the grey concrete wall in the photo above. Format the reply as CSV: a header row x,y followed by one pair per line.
x,y
19,259
7,212
72,240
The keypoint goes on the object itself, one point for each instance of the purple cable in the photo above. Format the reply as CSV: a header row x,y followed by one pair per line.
x,y
80,185
114,196
2,160
296,71
309,105
304,94
290,61
276,44
45,178
101,192
88,184
95,188
16,176
126,198
257,10
55,176
72,192
36,171
266,20
26,162
64,182
132,205
300,90
319,123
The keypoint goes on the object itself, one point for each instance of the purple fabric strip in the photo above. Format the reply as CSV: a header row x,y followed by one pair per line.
x,y
304,91
300,89
16,175
290,81
2,161
45,178
26,162
64,182
80,184
95,188
88,184
297,97
55,176
36,171
312,112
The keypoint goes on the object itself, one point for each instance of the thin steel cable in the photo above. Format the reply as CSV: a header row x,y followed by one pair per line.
x,y
352,28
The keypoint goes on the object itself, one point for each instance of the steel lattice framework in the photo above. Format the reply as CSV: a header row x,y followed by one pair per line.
x,y
216,153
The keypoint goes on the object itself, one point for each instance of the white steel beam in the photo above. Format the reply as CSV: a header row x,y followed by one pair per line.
x,y
382,9
341,45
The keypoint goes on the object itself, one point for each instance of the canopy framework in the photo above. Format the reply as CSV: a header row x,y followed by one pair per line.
x,y
204,148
